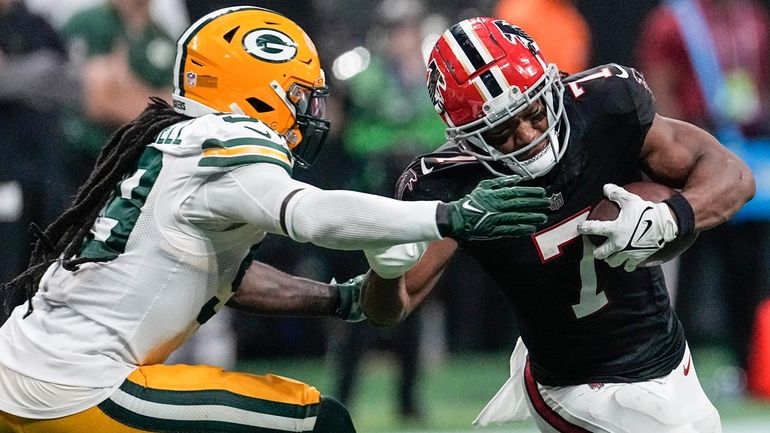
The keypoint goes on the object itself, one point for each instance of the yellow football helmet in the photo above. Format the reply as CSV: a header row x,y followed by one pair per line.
x,y
258,63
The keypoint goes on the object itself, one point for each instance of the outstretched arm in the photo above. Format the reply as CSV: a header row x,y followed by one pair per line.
x,y
266,290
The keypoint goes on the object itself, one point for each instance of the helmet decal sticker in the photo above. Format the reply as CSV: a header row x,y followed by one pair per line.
x,y
514,33
436,86
192,79
270,45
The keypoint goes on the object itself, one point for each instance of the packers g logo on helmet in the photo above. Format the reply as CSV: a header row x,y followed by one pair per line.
x,y
270,45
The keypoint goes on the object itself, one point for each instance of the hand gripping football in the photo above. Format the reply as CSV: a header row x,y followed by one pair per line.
x,y
608,210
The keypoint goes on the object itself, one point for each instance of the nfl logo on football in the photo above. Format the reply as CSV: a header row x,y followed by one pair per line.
x,y
192,79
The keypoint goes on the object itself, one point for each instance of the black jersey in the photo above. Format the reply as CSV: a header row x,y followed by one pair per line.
x,y
581,320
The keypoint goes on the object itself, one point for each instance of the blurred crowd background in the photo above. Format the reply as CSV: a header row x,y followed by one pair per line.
x,y
72,71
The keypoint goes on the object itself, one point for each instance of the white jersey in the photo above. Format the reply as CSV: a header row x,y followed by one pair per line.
x,y
170,244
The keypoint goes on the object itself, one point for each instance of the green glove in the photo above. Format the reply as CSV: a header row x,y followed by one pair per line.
x,y
349,308
496,208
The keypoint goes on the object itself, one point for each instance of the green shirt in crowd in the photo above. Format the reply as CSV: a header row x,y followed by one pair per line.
x,y
96,31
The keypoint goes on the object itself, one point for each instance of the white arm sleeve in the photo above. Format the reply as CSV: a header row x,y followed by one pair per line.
x,y
264,196
395,261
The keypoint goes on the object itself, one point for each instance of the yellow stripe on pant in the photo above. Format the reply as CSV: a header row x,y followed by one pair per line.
x,y
184,398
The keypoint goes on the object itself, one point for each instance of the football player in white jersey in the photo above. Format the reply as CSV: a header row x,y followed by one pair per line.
x,y
159,239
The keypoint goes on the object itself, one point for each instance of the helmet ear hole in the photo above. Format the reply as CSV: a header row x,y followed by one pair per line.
x,y
229,35
260,105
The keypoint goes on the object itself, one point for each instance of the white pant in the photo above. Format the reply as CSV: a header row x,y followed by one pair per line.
x,y
674,403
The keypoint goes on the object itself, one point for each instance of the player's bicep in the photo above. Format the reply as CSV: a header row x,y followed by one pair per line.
x,y
672,148
253,194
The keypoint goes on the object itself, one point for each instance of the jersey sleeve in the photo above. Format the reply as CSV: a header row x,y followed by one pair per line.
x,y
642,99
445,175
249,194
612,97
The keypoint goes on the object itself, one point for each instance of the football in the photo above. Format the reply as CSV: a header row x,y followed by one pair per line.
x,y
607,210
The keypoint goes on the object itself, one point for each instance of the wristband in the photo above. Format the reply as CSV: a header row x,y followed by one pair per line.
x,y
338,301
442,220
685,216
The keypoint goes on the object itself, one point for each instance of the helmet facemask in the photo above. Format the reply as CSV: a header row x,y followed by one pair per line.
x,y
308,134
548,89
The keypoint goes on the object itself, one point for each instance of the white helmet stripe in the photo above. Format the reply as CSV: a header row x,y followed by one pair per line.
x,y
479,84
474,38
498,74
448,119
459,53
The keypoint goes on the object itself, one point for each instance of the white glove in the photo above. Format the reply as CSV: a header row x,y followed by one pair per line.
x,y
641,229
392,262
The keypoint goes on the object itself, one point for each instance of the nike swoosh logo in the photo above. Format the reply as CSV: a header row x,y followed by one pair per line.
x,y
646,229
634,241
623,73
470,207
424,168
689,364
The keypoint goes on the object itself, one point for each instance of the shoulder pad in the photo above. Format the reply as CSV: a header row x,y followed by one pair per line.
x,y
427,176
613,88
226,141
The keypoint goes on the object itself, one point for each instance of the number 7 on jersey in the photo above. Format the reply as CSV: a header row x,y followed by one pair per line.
x,y
550,243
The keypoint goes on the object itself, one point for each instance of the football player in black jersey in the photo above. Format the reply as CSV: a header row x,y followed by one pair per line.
x,y
601,349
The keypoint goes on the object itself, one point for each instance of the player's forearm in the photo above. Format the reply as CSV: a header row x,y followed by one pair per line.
x,y
350,220
268,291
717,187
387,302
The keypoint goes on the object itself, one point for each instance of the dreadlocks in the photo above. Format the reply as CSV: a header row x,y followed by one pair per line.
x,y
64,237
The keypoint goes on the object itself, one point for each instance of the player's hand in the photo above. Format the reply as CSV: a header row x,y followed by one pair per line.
x,y
497,208
641,228
350,309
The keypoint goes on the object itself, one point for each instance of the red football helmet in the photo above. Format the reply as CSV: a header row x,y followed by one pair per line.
x,y
483,71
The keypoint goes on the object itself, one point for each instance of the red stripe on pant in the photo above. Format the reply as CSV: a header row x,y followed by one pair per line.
x,y
541,407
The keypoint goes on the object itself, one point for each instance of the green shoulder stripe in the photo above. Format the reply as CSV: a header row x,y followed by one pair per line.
x,y
245,150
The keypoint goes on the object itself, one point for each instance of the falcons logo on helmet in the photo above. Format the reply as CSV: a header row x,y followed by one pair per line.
x,y
436,86
515,34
